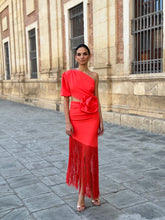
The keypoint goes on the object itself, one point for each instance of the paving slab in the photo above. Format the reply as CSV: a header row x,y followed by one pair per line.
x,y
32,190
33,161
10,202
2,181
106,212
18,214
57,213
148,210
42,202
118,199
5,190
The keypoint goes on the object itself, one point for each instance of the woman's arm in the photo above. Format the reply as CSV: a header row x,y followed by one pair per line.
x,y
101,127
69,128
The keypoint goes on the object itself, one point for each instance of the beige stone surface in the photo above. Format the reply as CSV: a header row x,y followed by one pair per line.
x,y
97,6
136,122
126,36
1,61
161,86
150,124
54,19
112,23
44,36
30,6
100,57
130,101
152,102
22,48
4,24
17,38
122,87
12,42
112,117
139,88
105,95
60,42
158,126
151,88
100,31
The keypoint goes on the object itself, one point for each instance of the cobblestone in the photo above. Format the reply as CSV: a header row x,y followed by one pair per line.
x,y
33,163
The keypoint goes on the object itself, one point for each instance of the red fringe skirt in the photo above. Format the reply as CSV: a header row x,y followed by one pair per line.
x,y
83,168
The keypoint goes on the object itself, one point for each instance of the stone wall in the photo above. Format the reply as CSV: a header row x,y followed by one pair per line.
x,y
22,17
132,100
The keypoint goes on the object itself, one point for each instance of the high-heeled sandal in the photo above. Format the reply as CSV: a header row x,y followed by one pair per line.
x,y
80,208
96,202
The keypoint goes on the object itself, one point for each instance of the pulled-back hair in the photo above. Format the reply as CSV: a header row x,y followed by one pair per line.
x,y
82,45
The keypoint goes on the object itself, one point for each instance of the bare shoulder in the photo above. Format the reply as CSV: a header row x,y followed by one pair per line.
x,y
95,76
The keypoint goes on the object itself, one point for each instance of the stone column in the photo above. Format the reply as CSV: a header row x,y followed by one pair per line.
x,y
12,39
1,61
127,37
16,39
101,37
44,31
21,39
56,37
55,50
60,34
101,33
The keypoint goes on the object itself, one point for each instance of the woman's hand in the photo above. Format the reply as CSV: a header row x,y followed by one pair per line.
x,y
101,128
69,129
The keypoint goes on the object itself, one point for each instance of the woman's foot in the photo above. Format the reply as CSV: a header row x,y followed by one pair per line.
x,y
80,208
96,202
81,203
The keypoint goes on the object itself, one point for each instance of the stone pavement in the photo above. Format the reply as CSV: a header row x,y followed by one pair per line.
x,y
33,162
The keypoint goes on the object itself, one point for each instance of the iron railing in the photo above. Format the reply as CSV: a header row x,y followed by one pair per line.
x,y
7,60
147,29
33,54
77,30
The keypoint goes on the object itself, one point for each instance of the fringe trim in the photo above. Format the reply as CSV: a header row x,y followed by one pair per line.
x,y
83,168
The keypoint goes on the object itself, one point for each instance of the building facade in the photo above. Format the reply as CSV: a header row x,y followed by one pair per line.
x,y
37,42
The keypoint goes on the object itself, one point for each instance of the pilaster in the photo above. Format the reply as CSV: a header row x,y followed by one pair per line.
x,y
1,59
101,50
56,37
44,38
101,34
12,39
16,36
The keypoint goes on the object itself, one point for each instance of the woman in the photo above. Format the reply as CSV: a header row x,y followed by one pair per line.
x,y
83,125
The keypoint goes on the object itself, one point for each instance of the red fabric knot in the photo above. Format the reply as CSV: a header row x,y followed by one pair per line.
x,y
89,104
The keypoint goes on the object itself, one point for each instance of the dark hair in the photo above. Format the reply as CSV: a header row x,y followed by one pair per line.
x,y
82,45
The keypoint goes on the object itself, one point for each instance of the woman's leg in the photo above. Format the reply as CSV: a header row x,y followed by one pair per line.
x,y
81,200
95,201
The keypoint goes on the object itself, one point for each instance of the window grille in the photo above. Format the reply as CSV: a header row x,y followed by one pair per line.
x,y
147,29
77,29
33,55
7,60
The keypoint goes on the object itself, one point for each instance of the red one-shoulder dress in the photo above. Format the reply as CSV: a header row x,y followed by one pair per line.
x,y
83,168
